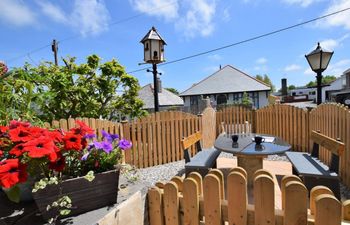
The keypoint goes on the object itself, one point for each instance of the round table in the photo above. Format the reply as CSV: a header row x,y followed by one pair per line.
x,y
249,155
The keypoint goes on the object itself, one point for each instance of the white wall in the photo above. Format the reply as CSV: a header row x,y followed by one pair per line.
x,y
336,85
263,100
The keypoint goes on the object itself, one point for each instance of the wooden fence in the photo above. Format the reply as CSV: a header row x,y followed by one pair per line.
x,y
217,200
234,119
156,138
96,124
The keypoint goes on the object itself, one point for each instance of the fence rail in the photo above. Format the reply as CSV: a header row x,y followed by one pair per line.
x,y
192,201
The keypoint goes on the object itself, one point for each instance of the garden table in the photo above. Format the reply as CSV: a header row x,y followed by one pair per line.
x,y
249,155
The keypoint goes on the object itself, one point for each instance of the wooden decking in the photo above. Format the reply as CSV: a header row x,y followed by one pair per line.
x,y
277,168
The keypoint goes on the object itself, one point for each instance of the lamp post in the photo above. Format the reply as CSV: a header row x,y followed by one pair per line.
x,y
153,48
318,60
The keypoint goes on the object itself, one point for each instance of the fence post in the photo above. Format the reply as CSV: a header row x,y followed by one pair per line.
x,y
208,121
328,210
254,121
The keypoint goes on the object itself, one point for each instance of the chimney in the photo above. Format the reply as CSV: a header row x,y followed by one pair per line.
x,y
159,85
284,87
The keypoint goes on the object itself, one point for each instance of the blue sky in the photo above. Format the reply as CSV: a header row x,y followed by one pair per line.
x,y
188,27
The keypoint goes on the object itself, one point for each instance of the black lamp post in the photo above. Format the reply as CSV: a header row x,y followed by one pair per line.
x,y
318,60
154,54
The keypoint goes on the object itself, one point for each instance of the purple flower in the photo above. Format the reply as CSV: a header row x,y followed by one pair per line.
x,y
90,136
84,157
104,145
124,144
114,136
107,136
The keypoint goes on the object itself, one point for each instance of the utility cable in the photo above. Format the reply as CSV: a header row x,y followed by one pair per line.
x,y
243,41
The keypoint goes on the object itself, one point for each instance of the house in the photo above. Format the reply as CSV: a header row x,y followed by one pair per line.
x,y
308,92
167,99
226,86
341,89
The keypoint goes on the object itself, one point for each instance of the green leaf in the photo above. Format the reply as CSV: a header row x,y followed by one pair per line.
x,y
13,193
64,212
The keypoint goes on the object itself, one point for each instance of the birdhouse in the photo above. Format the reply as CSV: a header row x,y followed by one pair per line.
x,y
153,47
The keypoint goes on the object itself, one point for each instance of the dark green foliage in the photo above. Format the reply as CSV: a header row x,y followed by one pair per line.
x,y
91,89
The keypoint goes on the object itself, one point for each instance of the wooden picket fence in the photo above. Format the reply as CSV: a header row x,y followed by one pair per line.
x,y
156,138
236,119
295,124
97,124
218,201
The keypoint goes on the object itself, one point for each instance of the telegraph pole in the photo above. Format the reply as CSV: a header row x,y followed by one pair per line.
x,y
54,48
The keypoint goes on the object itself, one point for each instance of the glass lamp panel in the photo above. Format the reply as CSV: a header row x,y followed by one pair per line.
x,y
326,58
314,61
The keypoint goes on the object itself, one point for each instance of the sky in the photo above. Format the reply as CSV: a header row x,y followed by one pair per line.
x,y
112,29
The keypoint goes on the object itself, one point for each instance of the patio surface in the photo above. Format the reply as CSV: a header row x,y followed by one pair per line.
x,y
277,168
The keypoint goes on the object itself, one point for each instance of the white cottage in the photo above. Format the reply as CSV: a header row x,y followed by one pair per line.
x,y
226,86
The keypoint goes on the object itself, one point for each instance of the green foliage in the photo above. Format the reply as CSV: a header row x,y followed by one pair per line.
x,y
291,87
173,90
246,101
92,89
13,193
266,80
325,80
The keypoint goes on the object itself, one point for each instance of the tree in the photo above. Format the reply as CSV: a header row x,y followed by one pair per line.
x,y
291,87
91,89
173,90
246,101
325,80
267,81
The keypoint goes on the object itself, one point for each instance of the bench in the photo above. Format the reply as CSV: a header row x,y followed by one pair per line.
x,y
201,162
314,172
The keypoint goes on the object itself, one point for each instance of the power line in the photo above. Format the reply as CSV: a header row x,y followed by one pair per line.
x,y
78,35
244,41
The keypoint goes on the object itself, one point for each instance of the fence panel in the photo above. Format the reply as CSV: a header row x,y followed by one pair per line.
x,y
168,205
234,119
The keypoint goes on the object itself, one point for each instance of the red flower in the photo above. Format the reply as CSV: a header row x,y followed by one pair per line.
x,y
72,141
82,129
58,165
17,150
1,153
14,124
12,172
55,135
20,134
41,147
3,129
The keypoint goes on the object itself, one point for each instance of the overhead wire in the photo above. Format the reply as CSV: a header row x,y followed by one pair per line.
x,y
78,35
243,41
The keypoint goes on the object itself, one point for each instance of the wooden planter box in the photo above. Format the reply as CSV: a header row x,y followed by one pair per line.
x,y
85,195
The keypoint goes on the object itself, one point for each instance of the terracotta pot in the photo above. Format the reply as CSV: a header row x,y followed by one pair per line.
x,y
85,195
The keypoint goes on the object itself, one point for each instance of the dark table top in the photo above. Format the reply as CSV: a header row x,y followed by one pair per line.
x,y
246,145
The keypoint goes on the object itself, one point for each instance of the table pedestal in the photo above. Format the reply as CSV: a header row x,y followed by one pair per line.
x,y
250,164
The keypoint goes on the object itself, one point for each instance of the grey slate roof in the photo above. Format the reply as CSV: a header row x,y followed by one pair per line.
x,y
166,98
152,35
226,80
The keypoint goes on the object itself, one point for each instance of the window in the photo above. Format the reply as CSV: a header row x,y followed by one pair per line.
x,y
221,99
237,97
193,100
254,96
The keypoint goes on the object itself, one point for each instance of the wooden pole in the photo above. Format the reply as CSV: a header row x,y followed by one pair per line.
x,y
54,48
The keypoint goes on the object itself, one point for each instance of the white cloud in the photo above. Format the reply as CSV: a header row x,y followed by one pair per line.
x,y
90,16
261,60
193,18
337,68
198,18
262,68
215,57
167,9
308,71
52,11
340,19
292,67
226,16
16,13
302,3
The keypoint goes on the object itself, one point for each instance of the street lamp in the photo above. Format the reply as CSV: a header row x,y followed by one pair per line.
x,y
318,60
154,53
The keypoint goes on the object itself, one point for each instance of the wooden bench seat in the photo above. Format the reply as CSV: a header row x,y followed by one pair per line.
x,y
314,172
203,160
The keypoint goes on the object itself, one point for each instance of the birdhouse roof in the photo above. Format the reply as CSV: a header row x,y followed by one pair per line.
x,y
152,35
